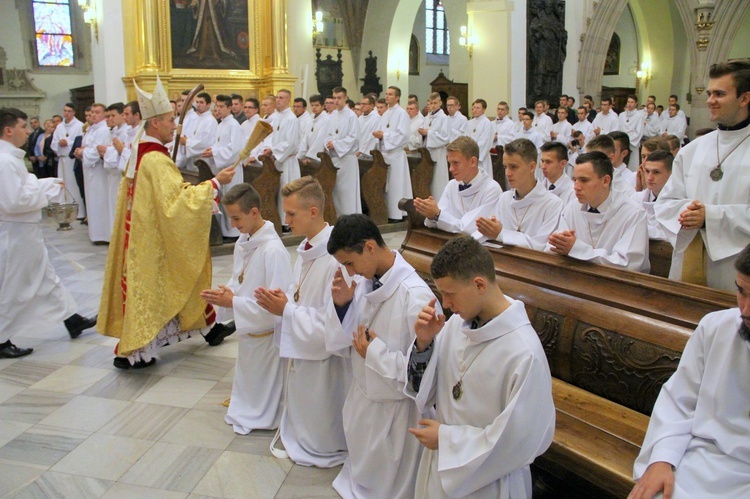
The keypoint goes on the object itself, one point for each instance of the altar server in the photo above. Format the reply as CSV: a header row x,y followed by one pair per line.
x,y
436,130
478,445
62,142
260,260
379,313
342,141
605,226
656,170
528,213
632,122
456,118
284,142
465,197
96,178
482,131
317,381
112,155
554,163
607,120
200,135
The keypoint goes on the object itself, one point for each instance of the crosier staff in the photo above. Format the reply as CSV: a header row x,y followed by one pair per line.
x,y
188,103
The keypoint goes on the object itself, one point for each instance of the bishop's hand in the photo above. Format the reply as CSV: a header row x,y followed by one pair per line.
x,y
429,324
341,293
225,176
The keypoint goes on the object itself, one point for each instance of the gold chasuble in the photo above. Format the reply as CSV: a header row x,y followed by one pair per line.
x,y
159,258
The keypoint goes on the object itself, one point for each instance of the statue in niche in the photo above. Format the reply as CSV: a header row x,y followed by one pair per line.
x,y
328,72
546,49
371,81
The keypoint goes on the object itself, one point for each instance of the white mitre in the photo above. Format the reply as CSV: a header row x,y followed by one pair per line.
x,y
151,105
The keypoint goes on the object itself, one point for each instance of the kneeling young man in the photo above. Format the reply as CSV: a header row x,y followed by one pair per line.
x,y
699,434
311,428
657,168
260,260
486,373
379,313
605,226
528,213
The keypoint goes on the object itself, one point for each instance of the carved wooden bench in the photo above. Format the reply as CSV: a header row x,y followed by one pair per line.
x,y
612,338
373,174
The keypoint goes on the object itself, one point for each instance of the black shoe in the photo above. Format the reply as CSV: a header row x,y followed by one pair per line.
x,y
123,363
220,331
9,351
76,324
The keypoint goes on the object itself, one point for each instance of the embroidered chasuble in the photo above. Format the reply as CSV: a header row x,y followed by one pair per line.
x,y
159,258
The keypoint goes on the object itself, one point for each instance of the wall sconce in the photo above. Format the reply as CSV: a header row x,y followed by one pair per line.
x,y
644,74
317,23
398,70
89,15
466,40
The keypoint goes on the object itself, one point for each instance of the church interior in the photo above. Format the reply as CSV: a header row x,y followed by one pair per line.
x,y
72,426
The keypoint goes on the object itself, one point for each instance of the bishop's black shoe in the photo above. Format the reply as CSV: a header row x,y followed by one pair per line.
x,y
124,363
220,331
76,324
9,351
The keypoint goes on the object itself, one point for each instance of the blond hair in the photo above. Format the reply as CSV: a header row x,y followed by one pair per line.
x,y
308,191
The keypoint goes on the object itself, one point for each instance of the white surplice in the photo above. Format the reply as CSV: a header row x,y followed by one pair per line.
x,y
395,127
563,189
284,147
528,222
226,151
646,199
97,183
305,121
651,125
483,132
436,141
542,123
458,125
416,140
114,166
606,122
700,421
564,132
631,122
68,131
258,383
32,298
617,236
200,136
315,138
248,126
532,135
383,457
624,179
505,417
188,127
312,428
505,130
727,203
676,126
368,123
343,132
459,209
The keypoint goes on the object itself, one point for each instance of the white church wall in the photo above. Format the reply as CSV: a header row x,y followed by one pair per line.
x,y
107,54
575,21
741,43
518,57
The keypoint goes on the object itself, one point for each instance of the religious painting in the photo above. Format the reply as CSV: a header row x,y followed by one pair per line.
x,y
612,62
210,34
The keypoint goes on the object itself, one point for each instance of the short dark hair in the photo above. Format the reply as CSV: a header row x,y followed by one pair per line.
x,y
572,98
303,101
237,97
243,195
606,99
588,97
117,106
663,157
739,69
254,102
186,92
633,96
351,232
675,105
603,143
339,90
370,98
600,161
205,96
9,116
70,105
135,108
522,147
742,263
622,138
462,259
673,96
674,141
657,143
316,98
398,90
414,97
557,147
482,102
528,113
226,99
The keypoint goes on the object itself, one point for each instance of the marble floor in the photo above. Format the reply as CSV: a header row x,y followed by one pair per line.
x,y
73,426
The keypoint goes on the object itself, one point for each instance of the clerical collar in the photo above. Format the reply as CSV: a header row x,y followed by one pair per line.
x,y
739,126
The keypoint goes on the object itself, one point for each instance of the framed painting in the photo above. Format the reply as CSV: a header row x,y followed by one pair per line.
x,y
612,62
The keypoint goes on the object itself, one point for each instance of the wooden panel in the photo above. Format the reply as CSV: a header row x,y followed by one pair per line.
x,y
421,174
373,188
326,175
268,184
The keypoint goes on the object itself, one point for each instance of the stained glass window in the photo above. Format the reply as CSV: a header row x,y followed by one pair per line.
x,y
54,36
437,39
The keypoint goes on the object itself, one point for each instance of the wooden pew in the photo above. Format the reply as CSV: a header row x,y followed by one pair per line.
x,y
325,172
373,175
267,181
421,172
498,170
612,338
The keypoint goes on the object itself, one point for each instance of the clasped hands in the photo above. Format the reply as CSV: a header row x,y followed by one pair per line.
x,y
694,216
